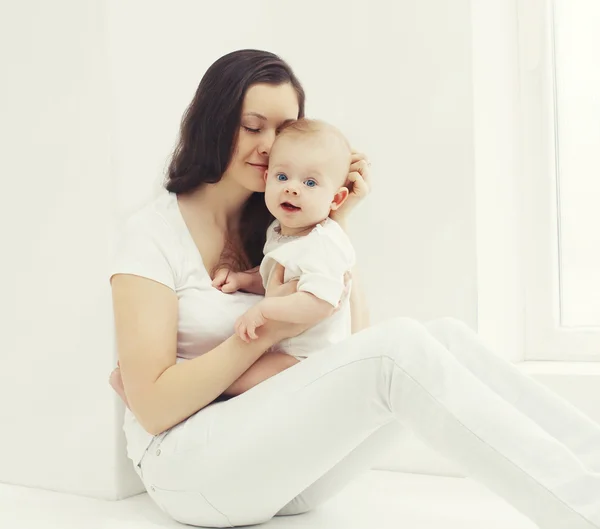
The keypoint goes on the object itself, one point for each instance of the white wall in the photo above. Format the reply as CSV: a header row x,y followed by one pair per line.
x,y
57,415
395,78
499,174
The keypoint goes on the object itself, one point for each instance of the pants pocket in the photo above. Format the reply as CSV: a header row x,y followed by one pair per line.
x,y
188,507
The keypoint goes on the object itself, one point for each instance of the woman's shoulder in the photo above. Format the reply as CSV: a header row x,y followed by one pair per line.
x,y
148,243
157,216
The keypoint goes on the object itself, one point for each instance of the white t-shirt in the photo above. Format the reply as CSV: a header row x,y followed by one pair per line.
x,y
319,261
156,243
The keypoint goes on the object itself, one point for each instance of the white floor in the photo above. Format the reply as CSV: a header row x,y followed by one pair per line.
x,y
379,500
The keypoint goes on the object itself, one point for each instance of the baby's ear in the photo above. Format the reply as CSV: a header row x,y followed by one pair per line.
x,y
339,198
265,175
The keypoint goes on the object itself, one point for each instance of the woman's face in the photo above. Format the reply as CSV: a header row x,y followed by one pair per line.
x,y
265,110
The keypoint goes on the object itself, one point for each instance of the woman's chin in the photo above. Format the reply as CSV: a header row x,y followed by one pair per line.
x,y
256,185
258,188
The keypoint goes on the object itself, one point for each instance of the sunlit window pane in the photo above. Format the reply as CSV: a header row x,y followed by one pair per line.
x,y
577,59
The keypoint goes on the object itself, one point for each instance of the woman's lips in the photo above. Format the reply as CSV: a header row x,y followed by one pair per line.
x,y
260,167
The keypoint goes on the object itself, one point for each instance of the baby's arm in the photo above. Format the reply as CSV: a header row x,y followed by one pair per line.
x,y
251,281
301,307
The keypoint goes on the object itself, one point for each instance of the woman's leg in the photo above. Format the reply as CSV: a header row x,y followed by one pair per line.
x,y
250,456
562,420
357,462
558,417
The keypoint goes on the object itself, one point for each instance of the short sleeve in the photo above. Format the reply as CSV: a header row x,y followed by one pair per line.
x,y
322,267
325,286
144,249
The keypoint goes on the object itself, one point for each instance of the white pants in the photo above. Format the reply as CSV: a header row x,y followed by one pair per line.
x,y
298,438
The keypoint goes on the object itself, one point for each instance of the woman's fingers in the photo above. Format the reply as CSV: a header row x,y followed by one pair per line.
x,y
359,186
360,164
116,382
356,156
360,167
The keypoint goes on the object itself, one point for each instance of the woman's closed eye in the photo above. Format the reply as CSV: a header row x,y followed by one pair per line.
x,y
256,131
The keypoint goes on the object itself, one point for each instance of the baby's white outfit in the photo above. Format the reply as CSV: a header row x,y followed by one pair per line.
x,y
319,261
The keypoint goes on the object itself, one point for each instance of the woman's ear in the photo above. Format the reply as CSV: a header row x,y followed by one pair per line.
x,y
339,198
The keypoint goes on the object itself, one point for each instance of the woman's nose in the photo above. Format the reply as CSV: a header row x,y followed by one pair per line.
x,y
266,143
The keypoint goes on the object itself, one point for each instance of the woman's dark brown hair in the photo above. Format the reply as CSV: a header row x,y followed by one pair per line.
x,y
208,135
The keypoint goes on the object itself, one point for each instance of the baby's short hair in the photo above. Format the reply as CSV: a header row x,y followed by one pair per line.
x,y
310,127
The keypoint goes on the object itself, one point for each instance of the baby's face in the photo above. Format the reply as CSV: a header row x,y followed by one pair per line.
x,y
304,175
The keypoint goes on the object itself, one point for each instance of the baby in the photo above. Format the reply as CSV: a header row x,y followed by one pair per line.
x,y
305,181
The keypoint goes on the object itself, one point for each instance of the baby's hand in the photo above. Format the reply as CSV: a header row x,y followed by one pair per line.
x,y
246,325
226,281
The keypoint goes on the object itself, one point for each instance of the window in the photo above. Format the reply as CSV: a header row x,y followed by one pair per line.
x,y
559,48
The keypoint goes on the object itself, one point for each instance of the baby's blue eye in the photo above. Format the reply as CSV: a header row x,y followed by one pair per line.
x,y
281,177
310,183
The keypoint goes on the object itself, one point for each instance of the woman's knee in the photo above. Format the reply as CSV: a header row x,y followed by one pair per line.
x,y
445,328
407,346
398,322
400,331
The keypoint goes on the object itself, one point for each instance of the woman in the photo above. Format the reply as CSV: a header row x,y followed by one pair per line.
x,y
296,433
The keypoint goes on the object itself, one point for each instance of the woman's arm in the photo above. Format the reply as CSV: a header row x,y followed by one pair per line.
x,y
359,185
161,393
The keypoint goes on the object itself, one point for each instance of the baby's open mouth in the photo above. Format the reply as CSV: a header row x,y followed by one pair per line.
x,y
289,207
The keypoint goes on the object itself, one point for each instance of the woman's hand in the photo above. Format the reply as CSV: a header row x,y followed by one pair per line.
x,y
359,186
116,382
